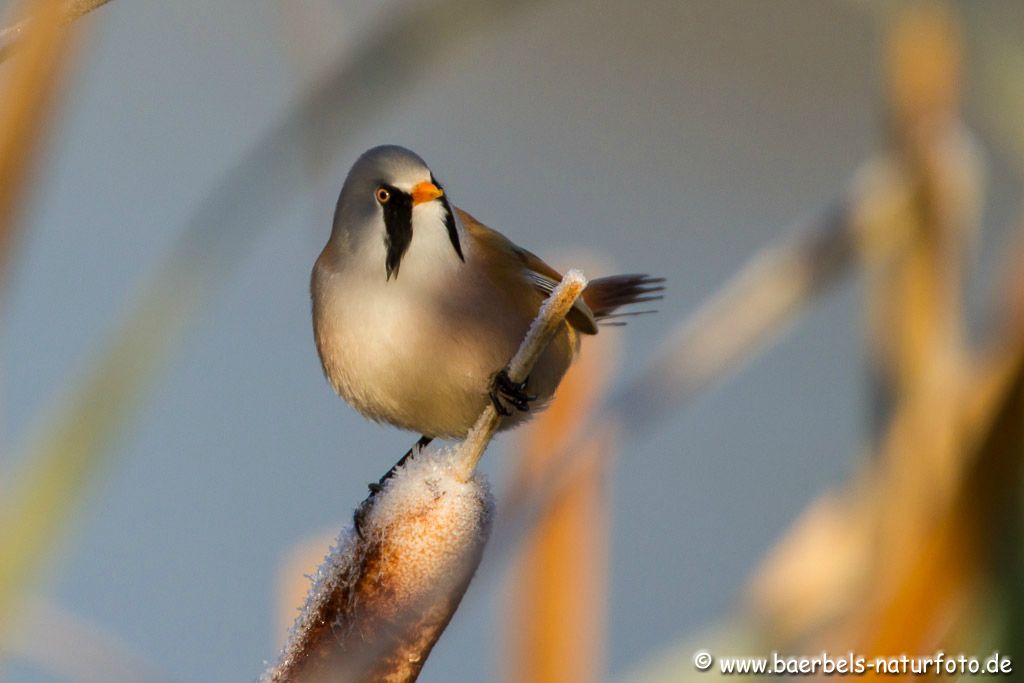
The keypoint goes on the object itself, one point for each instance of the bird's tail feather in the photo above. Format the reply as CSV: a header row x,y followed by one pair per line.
x,y
605,295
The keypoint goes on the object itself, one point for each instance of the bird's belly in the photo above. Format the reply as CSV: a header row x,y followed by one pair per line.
x,y
416,386
424,364
398,362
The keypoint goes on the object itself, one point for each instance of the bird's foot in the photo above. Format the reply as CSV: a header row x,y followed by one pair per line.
x,y
376,487
504,390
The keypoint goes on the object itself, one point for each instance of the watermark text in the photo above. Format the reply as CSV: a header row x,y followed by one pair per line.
x,y
852,664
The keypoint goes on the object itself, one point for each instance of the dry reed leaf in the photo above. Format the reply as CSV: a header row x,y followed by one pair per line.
x,y
963,545
919,304
831,583
30,88
908,570
926,597
914,298
924,54
883,524
11,36
28,93
815,572
557,605
957,555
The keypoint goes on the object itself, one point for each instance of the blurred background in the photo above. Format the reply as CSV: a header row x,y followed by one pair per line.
x,y
156,329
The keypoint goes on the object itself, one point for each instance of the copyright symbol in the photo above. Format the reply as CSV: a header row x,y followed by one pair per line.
x,y
702,659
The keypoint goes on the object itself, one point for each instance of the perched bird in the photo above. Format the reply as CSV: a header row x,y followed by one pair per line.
x,y
418,307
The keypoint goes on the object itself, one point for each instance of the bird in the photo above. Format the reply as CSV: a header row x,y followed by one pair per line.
x,y
418,307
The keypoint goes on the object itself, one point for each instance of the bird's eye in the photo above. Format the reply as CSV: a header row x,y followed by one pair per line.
x,y
383,195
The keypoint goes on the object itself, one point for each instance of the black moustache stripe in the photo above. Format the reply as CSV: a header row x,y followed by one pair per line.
x,y
397,228
449,224
449,221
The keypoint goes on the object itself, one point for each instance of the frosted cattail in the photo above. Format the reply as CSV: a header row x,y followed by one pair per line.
x,y
383,596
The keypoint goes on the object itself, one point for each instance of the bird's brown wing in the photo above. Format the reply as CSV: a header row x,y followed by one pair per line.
x,y
540,275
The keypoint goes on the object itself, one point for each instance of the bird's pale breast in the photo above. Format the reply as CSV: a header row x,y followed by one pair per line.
x,y
419,351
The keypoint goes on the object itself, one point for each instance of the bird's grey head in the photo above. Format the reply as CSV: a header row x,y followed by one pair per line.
x,y
377,201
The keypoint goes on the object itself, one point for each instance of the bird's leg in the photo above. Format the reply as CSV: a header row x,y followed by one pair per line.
x,y
375,487
504,390
423,442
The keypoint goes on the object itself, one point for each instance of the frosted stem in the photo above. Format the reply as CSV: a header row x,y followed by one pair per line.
x,y
540,334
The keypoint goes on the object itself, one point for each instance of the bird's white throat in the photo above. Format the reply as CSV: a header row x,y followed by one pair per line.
x,y
430,259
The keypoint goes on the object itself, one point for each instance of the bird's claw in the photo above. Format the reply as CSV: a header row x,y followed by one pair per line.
x,y
504,390
359,516
498,405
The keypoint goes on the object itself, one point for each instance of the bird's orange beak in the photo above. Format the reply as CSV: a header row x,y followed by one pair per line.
x,y
425,192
